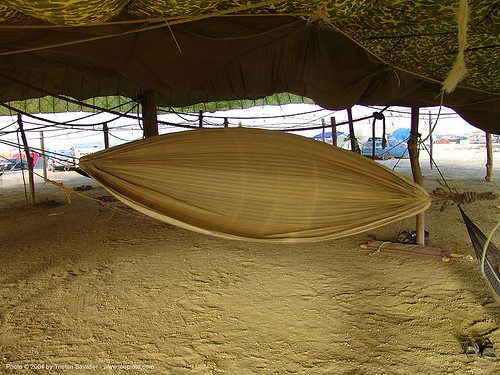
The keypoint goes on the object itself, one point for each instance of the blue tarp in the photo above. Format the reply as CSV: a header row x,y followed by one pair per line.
x,y
327,135
401,134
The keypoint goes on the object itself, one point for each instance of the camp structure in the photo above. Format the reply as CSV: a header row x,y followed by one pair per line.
x,y
179,53
174,54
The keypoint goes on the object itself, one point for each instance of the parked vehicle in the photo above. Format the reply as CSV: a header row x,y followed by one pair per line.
x,y
61,160
79,150
393,149
7,165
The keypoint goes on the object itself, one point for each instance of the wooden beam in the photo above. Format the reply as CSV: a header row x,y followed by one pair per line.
x,y
149,118
416,171
489,159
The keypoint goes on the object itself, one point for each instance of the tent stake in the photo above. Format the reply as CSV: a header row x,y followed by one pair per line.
x,y
28,159
416,171
489,159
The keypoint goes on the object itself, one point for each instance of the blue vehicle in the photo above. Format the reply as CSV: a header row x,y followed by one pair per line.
x,y
7,165
393,149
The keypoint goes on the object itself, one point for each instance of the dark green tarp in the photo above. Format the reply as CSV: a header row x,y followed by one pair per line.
x,y
338,53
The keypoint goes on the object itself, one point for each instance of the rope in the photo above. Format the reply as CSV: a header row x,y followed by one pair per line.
x,y
459,69
437,118
380,248
453,196
68,191
57,96
173,37
437,167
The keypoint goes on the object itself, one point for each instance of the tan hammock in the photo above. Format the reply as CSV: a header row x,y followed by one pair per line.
x,y
255,185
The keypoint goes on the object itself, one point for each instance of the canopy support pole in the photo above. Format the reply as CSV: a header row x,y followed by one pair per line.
x,y
416,171
352,136
489,159
28,159
431,141
105,130
373,138
44,157
149,114
200,119
334,131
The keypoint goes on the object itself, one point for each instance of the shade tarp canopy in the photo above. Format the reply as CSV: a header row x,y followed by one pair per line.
x,y
337,53
255,184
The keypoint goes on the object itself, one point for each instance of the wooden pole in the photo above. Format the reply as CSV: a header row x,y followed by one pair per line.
x,y
226,122
352,136
334,131
149,114
323,124
374,144
489,159
28,159
200,119
416,171
105,130
44,157
431,140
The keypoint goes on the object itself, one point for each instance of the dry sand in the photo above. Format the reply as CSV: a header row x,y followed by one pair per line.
x,y
86,285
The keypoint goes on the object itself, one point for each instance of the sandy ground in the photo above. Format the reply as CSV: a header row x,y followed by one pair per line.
x,y
85,285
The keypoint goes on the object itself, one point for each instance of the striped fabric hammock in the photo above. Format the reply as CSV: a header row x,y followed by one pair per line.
x,y
486,252
258,185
